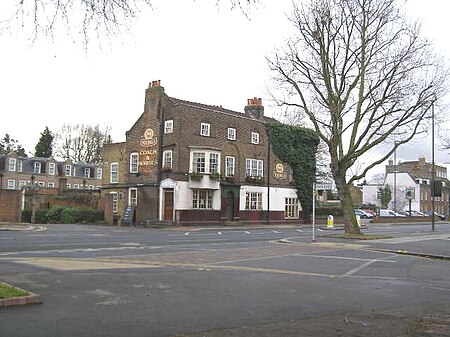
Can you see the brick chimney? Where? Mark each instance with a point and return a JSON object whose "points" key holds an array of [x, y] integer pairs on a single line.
{"points": [[254, 108]]}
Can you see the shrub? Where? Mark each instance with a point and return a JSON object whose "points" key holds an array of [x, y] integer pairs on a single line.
{"points": [[67, 215], [54, 214]]}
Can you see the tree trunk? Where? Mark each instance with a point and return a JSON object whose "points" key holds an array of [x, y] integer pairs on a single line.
{"points": [[348, 208]]}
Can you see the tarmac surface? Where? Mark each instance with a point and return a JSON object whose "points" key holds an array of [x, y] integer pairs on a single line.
{"points": [[216, 282]]}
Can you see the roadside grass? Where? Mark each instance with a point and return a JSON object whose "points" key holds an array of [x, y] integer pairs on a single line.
{"points": [[7, 291], [361, 236]]}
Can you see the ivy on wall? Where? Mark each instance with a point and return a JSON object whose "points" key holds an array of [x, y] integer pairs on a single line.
{"points": [[297, 147]]}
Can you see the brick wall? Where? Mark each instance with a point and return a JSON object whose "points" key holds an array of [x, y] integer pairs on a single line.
{"points": [[10, 206]]}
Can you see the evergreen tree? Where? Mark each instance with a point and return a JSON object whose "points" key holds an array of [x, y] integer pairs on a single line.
{"points": [[44, 147]]}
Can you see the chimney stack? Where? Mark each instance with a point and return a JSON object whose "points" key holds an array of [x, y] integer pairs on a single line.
{"points": [[254, 108]]}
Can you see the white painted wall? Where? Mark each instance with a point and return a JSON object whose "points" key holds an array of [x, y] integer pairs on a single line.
{"points": [[370, 195], [403, 181]]}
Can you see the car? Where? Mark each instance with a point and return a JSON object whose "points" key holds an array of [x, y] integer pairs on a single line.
{"points": [[363, 214], [439, 215], [390, 213], [414, 213]]}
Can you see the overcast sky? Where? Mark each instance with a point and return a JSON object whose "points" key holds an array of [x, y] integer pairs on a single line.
{"points": [[199, 52]]}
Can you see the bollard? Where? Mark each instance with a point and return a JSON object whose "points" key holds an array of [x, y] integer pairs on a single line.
{"points": [[330, 221]]}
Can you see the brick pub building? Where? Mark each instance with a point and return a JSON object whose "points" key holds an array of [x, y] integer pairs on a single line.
{"points": [[187, 163]]}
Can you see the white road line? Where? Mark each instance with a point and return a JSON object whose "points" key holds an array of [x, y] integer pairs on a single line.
{"points": [[75, 250], [220, 233], [357, 269], [299, 230], [319, 230], [246, 232], [187, 233], [276, 232]]}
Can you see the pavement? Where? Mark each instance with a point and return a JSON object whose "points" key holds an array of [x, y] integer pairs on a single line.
{"points": [[20, 227]]}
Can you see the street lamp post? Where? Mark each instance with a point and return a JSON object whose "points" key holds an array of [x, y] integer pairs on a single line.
{"points": [[432, 168], [33, 201]]}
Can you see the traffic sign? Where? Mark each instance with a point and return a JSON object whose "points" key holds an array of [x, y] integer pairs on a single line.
{"points": [[323, 186]]}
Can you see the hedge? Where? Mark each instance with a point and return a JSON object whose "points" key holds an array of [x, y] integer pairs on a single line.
{"points": [[65, 214]]}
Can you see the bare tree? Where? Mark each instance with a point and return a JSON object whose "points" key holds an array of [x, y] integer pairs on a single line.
{"points": [[81, 143], [101, 17], [365, 80]]}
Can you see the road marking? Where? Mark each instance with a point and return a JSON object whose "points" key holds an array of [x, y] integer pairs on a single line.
{"points": [[407, 239], [277, 232], [187, 233], [247, 232], [220, 233], [357, 269], [299, 230], [319, 230], [77, 250]]}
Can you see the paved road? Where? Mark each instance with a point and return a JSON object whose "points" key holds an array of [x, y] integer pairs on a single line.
{"points": [[103, 281]]}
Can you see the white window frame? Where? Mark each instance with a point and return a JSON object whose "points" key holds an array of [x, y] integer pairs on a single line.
{"points": [[41, 184], [114, 173], [11, 184], [19, 166], [74, 171], [51, 169], [255, 138], [12, 164], [168, 126], [51, 184], [87, 172], [253, 201], [202, 199], [115, 202], [167, 159], [291, 208], [230, 164], [205, 161], [214, 165], [22, 183], [132, 196], [68, 186], [198, 162], [68, 170], [76, 186], [254, 167], [37, 167], [99, 173], [134, 162], [205, 129], [231, 134]]}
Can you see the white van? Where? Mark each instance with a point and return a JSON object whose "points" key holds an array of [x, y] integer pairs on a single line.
{"points": [[390, 213]]}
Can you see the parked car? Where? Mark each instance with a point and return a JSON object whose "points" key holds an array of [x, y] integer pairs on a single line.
{"points": [[363, 214], [415, 213], [390, 213], [438, 215]]}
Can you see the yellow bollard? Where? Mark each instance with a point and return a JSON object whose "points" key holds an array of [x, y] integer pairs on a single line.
{"points": [[330, 222]]}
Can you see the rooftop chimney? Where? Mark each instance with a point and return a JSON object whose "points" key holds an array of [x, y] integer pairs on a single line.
{"points": [[155, 84], [254, 108]]}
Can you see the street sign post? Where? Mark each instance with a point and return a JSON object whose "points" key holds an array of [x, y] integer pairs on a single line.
{"points": [[318, 186]]}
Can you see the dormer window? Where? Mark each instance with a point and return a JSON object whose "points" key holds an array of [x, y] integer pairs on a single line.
{"points": [[68, 171], [37, 167], [12, 164], [51, 169]]}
